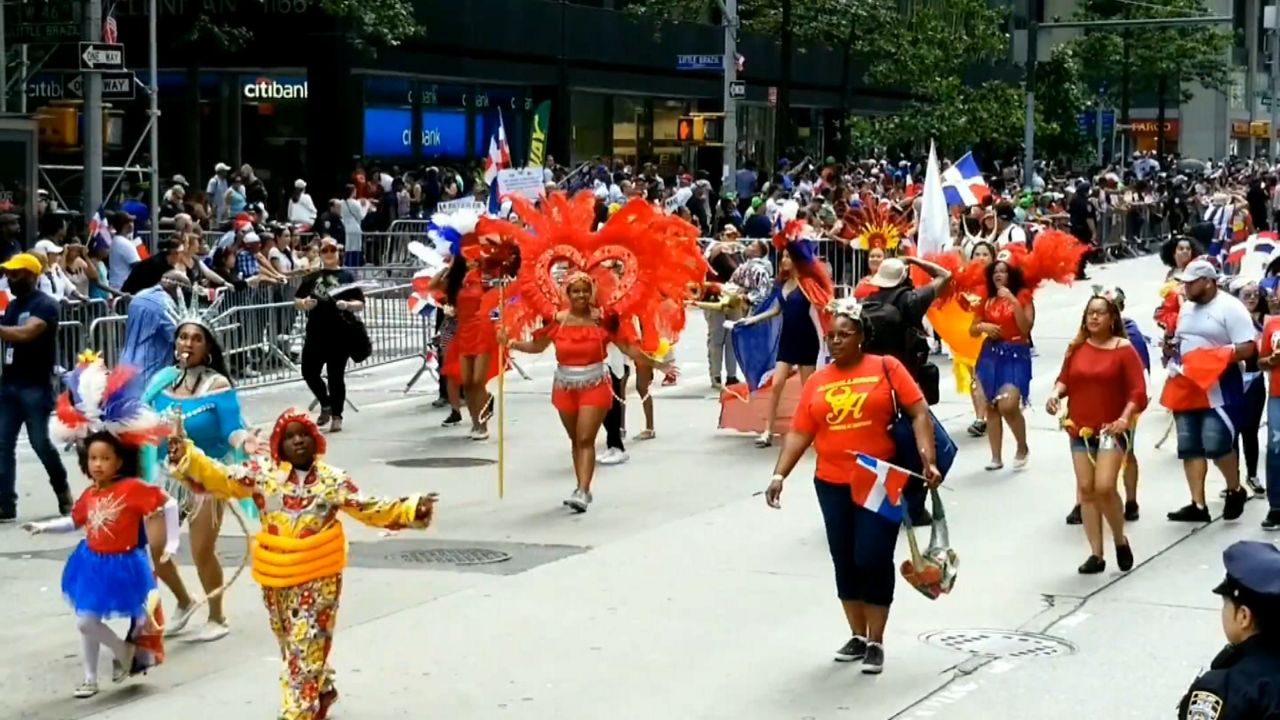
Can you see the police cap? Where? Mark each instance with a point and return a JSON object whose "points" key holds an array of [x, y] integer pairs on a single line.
{"points": [[1253, 572]]}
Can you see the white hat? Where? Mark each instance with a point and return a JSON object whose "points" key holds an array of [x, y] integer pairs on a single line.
{"points": [[221, 167], [48, 247], [891, 273], [300, 184], [180, 180], [1197, 270], [252, 237]]}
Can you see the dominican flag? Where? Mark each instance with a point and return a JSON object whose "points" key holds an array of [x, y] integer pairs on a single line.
{"points": [[99, 231], [1206, 379], [499, 159], [884, 494], [420, 301], [1251, 257], [912, 188], [963, 183]]}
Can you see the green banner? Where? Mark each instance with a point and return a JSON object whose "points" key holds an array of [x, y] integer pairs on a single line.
{"points": [[538, 133]]}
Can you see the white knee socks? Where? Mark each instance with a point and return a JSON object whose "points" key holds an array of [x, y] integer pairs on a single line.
{"points": [[94, 632]]}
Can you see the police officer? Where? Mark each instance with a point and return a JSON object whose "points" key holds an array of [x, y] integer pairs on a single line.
{"points": [[1241, 681]]}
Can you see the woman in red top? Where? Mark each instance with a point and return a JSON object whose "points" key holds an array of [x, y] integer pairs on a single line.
{"points": [[1004, 365], [864, 289], [474, 341], [1103, 380], [581, 392], [845, 410]]}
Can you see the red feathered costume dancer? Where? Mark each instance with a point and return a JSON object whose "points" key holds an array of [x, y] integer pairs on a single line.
{"points": [[580, 290]]}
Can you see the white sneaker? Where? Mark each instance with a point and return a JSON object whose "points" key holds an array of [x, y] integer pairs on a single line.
{"points": [[614, 456], [86, 689], [178, 622], [122, 668], [211, 632], [578, 501]]}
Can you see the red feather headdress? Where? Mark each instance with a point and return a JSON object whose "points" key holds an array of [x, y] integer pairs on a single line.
{"points": [[641, 263], [98, 400]]}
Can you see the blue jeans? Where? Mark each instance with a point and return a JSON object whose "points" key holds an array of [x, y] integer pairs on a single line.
{"points": [[1203, 434], [29, 405], [1273, 453]]}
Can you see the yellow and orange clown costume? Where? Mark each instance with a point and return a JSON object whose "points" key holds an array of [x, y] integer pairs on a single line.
{"points": [[299, 554]]}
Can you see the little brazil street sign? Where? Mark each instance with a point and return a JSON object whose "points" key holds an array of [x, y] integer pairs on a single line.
{"points": [[97, 57], [699, 62]]}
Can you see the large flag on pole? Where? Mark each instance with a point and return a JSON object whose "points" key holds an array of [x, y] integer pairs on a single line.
{"points": [[499, 159], [933, 234]]}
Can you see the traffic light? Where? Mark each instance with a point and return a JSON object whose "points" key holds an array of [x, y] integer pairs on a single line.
{"points": [[685, 129], [706, 128]]}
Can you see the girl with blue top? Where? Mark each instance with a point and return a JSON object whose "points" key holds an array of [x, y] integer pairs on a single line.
{"points": [[197, 386]]}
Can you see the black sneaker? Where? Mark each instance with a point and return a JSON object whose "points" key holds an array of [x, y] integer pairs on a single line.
{"points": [[732, 380], [1073, 517], [855, 649], [324, 417], [1255, 486], [1190, 513], [454, 419], [1233, 506], [977, 428], [1273, 520], [1124, 556], [873, 663], [1092, 566], [1131, 511], [8, 516]]}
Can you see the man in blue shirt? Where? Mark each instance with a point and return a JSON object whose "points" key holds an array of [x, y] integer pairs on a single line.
{"points": [[28, 330], [137, 207], [247, 258], [149, 329], [745, 184]]}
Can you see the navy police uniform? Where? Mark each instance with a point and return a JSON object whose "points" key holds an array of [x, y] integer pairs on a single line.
{"points": [[1243, 681]]}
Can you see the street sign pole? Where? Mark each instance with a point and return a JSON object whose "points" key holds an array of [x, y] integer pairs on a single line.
{"points": [[4, 66], [730, 129], [154, 113], [92, 115], [1101, 161], [1274, 33]]}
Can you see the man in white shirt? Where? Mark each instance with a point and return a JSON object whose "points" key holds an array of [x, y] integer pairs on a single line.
{"points": [[1207, 420], [302, 210], [1008, 231], [124, 253]]}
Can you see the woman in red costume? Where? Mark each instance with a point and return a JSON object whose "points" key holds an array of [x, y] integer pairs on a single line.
{"points": [[581, 290]]}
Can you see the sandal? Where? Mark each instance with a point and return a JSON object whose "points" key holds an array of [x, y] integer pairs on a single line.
{"points": [[993, 466], [764, 440], [647, 434], [1020, 463]]}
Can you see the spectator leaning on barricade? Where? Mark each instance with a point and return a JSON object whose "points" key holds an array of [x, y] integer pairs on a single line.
{"points": [[302, 209], [216, 193], [29, 331], [170, 256], [149, 327]]}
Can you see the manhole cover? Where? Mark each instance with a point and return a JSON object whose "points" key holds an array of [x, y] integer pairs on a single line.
{"points": [[1000, 643], [453, 556], [441, 462]]}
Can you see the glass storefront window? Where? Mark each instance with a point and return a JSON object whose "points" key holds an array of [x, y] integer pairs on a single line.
{"points": [[588, 119], [628, 128]]}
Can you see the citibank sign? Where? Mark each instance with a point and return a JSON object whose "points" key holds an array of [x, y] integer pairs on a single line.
{"points": [[273, 89]]}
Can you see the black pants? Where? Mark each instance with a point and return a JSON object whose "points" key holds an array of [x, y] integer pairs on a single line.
{"points": [[613, 419], [1255, 402], [317, 355]]}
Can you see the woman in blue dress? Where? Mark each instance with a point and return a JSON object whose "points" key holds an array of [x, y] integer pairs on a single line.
{"points": [[197, 386], [798, 343]]}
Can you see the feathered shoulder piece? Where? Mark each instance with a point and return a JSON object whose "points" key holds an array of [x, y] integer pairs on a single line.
{"points": [[641, 264], [874, 224], [99, 400], [1056, 258], [448, 230]]}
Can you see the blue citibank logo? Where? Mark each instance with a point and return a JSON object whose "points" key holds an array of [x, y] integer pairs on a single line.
{"points": [[388, 133]]}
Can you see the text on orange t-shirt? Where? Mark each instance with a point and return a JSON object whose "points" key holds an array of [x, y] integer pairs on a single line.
{"points": [[849, 410]]}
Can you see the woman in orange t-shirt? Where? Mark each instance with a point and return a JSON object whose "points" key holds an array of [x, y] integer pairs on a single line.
{"points": [[846, 409]]}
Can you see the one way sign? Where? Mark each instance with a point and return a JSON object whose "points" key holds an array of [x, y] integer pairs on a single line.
{"points": [[115, 86], [99, 57]]}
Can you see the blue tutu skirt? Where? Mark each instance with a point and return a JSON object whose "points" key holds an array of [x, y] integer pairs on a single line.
{"points": [[1001, 364], [108, 585]]}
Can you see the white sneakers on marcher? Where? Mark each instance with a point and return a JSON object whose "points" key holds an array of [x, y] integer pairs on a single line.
{"points": [[613, 456]]}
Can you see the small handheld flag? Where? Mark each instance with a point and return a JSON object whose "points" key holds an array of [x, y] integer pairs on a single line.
{"points": [[884, 494]]}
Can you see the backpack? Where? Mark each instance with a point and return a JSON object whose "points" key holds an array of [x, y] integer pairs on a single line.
{"points": [[884, 327]]}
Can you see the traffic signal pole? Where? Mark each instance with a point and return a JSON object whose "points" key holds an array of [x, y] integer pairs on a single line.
{"points": [[729, 131], [92, 140]]}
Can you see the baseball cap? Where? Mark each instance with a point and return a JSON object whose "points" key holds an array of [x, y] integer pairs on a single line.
{"points": [[48, 247], [221, 167], [1197, 270], [300, 184], [23, 261], [891, 273], [252, 237], [180, 180]]}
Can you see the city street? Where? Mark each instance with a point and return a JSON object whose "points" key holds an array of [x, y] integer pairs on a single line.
{"points": [[680, 594]]}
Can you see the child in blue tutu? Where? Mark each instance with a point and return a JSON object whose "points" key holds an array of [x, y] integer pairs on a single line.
{"points": [[109, 574]]}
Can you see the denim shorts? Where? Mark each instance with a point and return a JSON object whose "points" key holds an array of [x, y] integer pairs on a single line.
{"points": [[861, 544], [1203, 434], [1095, 444]]}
